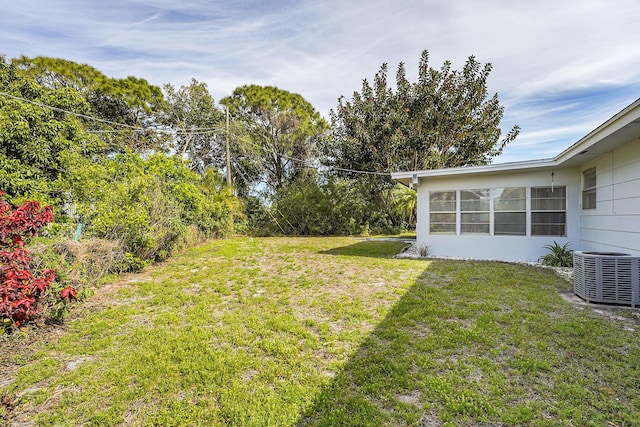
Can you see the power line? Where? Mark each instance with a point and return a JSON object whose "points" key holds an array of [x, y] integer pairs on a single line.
{"points": [[336, 167], [190, 132], [61, 110], [174, 132], [322, 166]]}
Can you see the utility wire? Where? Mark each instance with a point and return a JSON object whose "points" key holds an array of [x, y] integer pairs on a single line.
{"points": [[61, 110], [193, 131], [198, 131], [165, 131], [305, 162]]}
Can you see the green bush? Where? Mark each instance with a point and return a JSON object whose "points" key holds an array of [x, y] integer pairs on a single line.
{"points": [[78, 264], [149, 204], [120, 185], [310, 206]]}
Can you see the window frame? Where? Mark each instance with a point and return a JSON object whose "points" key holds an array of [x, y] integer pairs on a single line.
{"points": [[541, 211], [497, 210], [433, 212], [589, 192], [475, 217]]}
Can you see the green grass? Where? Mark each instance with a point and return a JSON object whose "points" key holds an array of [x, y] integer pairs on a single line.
{"points": [[328, 331]]}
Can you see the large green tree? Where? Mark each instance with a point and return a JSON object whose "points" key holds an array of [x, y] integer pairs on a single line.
{"points": [[134, 104], [279, 134], [150, 203], [34, 138], [198, 124], [445, 119], [127, 108]]}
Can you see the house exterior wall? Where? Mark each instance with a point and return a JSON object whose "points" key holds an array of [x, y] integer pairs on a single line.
{"points": [[614, 225], [509, 248]]}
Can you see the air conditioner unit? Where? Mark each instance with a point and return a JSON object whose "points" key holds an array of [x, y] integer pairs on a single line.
{"points": [[607, 277]]}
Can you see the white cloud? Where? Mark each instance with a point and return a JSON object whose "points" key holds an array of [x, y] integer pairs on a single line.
{"points": [[546, 54]]}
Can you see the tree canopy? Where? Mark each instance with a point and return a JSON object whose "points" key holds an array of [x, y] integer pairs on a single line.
{"points": [[192, 112], [280, 133], [445, 119], [33, 138], [126, 107], [63, 125]]}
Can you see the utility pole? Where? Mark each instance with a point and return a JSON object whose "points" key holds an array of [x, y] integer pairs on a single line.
{"points": [[228, 151]]}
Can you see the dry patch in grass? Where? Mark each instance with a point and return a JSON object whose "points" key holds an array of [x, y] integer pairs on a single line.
{"points": [[326, 331]]}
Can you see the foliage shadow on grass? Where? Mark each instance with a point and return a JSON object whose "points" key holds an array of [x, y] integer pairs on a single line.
{"points": [[369, 249], [359, 394], [442, 357]]}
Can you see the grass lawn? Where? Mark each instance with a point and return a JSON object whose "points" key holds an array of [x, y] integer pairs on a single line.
{"points": [[325, 331]]}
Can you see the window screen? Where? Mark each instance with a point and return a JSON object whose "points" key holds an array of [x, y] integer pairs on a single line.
{"points": [[510, 211], [474, 211], [589, 189], [442, 212], [548, 211]]}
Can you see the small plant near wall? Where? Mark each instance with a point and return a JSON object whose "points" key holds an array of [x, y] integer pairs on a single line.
{"points": [[558, 256], [424, 251]]}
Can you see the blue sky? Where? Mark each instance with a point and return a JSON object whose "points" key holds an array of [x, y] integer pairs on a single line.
{"points": [[560, 67]]}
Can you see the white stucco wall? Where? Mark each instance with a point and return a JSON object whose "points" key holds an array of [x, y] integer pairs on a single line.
{"points": [[508, 248], [614, 226]]}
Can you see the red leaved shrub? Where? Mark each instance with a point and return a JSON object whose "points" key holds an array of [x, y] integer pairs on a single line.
{"points": [[20, 290]]}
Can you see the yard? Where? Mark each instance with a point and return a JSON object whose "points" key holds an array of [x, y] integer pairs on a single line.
{"points": [[326, 331]]}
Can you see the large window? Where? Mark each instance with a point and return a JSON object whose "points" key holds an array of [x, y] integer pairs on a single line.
{"points": [[510, 211], [474, 211], [500, 212], [589, 189], [548, 211], [442, 212]]}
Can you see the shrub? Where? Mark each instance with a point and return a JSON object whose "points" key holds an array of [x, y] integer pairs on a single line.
{"points": [[559, 256], [404, 202], [150, 205], [20, 289], [424, 251], [311, 206], [81, 264]]}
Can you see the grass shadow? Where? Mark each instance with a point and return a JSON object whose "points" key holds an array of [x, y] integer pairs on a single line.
{"points": [[481, 345], [362, 393], [369, 248]]}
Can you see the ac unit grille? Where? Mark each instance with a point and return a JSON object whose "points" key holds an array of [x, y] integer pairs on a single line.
{"points": [[607, 277]]}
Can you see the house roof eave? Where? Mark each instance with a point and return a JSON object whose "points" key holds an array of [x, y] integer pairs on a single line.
{"points": [[618, 130], [521, 166]]}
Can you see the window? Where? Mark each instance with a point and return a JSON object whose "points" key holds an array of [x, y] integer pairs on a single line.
{"points": [[548, 211], [474, 211], [510, 211], [442, 212], [589, 189]]}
